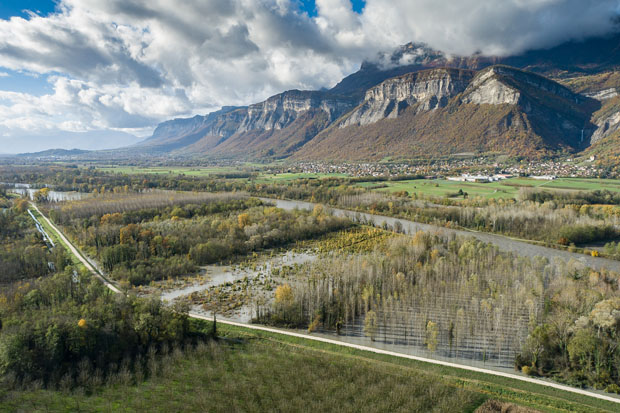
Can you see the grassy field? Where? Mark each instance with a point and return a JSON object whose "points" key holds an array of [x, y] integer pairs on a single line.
{"points": [[283, 177], [208, 171], [164, 170], [508, 188], [260, 371]]}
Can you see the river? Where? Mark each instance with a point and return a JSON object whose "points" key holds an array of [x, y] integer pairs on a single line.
{"points": [[52, 196], [521, 248]]}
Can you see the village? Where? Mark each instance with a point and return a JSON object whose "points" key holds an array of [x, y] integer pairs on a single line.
{"points": [[480, 169]]}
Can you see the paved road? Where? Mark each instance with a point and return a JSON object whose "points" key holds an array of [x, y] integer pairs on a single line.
{"points": [[112, 287], [522, 248]]}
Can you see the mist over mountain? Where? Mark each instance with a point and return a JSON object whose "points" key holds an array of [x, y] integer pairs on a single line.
{"points": [[127, 66], [416, 101]]}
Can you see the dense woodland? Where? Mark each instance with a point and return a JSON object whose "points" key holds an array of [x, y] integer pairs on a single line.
{"points": [[150, 236], [61, 328]]}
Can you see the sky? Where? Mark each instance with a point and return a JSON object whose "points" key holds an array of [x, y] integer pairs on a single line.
{"points": [[73, 70]]}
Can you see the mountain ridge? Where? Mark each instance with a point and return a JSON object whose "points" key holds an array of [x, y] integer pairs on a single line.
{"points": [[292, 122]]}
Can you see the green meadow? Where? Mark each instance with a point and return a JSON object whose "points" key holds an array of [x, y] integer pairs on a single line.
{"points": [[508, 188], [163, 170]]}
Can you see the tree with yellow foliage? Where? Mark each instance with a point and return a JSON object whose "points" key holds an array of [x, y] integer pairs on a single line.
{"points": [[243, 220], [284, 295], [42, 195], [318, 210], [371, 325]]}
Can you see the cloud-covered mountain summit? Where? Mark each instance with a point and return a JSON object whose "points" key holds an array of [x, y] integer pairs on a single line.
{"points": [[129, 65]]}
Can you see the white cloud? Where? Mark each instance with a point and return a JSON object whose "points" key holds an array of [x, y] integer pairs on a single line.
{"points": [[126, 65]]}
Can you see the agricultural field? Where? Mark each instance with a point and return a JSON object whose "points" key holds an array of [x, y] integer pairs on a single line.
{"points": [[289, 177], [257, 175], [246, 370], [508, 188], [165, 170]]}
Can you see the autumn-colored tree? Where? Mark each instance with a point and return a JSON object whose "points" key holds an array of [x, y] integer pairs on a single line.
{"points": [[21, 205], [42, 195], [128, 233], [243, 220], [318, 210], [284, 295], [115, 218]]}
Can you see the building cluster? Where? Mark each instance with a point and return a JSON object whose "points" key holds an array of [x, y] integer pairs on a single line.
{"points": [[479, 178], [481, 169]]}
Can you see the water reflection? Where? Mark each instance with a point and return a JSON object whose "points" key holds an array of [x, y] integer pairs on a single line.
{"points": [[53, 196]]}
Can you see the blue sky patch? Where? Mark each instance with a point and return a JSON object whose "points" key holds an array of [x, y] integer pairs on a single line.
{"points": [[33, 84], [9, 8], [309, 6]]}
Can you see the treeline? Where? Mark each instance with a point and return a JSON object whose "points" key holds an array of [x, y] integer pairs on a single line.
{"points": [[549, 222], [603, 196], [61, 331], [149, 200]]}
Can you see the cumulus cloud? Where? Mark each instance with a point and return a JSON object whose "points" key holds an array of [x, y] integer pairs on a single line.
{"points": [[126, 65], [491, 27]]}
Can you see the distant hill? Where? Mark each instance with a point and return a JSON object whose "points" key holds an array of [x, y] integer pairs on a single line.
{"points": [[417, 101], [90, 140], [54, 153]]}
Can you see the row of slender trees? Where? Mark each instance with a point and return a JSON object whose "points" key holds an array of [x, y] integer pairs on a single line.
{"points": [[462, 298]]}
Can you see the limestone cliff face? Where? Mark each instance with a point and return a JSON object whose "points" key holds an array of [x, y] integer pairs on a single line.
{"points": [[487, 88], [499, 85], [606, 126], [427, 90], [498, 108], [433, 89], [281, 110], [276, 113]]}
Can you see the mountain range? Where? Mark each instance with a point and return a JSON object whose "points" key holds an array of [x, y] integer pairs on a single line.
{"points": [[417, 101]]}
